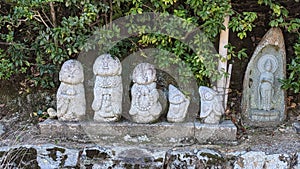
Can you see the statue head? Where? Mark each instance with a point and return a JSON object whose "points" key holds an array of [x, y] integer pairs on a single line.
{"points": [[268, 65], [207, 94], [144, 73], [71, 72], [105, 65]]}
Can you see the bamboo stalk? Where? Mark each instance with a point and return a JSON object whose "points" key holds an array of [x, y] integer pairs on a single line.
{"points": [[222, 66], [227, 85]]}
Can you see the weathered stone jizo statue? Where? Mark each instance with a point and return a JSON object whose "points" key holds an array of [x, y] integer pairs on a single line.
{"points": [[211, 105], [71, 104], [108, 89], [145, 107], [178, 105], [267, 65]]}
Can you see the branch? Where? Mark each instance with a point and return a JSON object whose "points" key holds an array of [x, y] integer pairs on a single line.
{"points": [[47, 17], [6, 43], [52, 11], [40, 18], [110, 14]]}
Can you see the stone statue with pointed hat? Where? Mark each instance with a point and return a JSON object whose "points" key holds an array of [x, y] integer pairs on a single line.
{"points": [[178, 105], [211, 105]]}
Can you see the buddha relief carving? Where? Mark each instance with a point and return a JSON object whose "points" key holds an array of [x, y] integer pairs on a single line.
{"points": [[267, 65]]}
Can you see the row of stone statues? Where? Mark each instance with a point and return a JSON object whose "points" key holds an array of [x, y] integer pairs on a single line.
{"points": [[263, 101], [108, 91]]}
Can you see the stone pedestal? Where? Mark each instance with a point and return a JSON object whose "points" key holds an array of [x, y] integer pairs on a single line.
{"points": [[158, 134]]}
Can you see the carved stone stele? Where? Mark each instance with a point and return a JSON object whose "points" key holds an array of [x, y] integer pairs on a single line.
{"points": [[211, 105], [263, 99], [108, 89], [178, 105], [71, 104], [145, 107]]}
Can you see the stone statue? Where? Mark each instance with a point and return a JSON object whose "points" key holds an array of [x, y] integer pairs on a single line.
{"points": [[108, 89], [211, 105], [263, 102], [267, 65], [178, 105], [71, 104], [145, 107]]}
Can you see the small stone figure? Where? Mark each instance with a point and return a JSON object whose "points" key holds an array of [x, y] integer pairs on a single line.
{"points": [[211, 105], [178, 105], [71, 104], [108, 89], [145, 107], [267, 65]]}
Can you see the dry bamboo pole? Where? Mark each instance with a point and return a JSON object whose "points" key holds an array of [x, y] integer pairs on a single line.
{"points": [[223, 83]]}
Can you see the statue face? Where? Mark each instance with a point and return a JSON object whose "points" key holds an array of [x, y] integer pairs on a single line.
{"points": [[105, 65], [71, 72], [268, 66], [208, 96]]}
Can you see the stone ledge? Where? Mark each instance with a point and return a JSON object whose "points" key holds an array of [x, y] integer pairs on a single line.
{"points": [[55, 156], [158, 134]]}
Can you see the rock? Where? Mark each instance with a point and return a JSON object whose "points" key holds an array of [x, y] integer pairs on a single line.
{"points": [[296, 126], [52, 113], [203, 158], [261, 160], [2, 129], [52, 156]]}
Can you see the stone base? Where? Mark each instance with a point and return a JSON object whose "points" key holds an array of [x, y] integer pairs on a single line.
{"points": [[158, 134], [265, 116]]}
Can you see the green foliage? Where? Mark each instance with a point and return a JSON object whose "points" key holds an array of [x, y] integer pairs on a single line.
{"points": [[38, 36], [37, 40], [242, 23], [279, 12], [293, 80], [280, 18], [241, 54]]}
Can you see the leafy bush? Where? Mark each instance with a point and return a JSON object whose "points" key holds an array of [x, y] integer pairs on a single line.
{"points": [[38, 36]]}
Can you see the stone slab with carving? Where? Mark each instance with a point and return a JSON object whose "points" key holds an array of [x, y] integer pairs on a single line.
{"points": [[178, 105], [71, 104], [263, 99], [108, 89], [211, 105], [145, 107]]}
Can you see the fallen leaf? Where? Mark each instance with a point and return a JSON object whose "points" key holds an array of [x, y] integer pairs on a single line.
{"points": [[293, 105]]}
